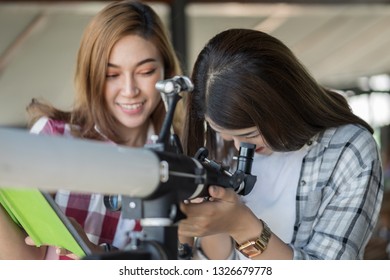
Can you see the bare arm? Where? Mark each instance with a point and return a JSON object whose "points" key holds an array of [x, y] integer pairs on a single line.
{"points": [[12, 241], [215, 247]]}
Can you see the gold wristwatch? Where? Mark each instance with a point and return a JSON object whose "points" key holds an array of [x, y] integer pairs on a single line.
{"points": [[253, 248]]}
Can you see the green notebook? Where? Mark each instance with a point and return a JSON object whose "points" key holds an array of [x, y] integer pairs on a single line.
{"points": [[38, 214]]}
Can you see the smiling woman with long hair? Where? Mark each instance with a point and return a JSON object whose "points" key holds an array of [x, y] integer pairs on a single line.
{"points": [[124, 51]]}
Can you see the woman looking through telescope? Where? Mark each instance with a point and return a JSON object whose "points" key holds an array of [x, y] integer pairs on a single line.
{"points": [[319, 177]]}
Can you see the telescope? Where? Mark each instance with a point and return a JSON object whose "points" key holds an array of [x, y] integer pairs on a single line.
{"points": [[145, 183]]}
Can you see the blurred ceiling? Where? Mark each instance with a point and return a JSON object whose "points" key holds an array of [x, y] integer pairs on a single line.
{"points": [[338, 41]]}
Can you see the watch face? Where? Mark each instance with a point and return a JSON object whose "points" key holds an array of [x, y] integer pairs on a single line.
{"points": [[253, 248], [251, 251]]}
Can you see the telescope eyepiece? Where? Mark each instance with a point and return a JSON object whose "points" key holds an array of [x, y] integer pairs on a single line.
{"points": [[245, 157]]}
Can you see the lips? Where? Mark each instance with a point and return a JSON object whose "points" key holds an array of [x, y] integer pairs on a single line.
{"points": [[258, 150], [130, 107]]}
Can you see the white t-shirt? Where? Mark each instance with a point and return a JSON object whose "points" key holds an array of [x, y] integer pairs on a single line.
{"points": [[273, 196]]}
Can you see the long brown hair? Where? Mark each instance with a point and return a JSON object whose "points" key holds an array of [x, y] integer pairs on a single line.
{"points": [[244, 78], [116, 20]]}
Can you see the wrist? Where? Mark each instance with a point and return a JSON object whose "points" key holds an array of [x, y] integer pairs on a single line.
{"points": [[255, 246], [215, 250], [248, 228]]}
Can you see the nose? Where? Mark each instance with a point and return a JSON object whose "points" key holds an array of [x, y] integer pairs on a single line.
{"points": [[129, 87], [237, 143]]}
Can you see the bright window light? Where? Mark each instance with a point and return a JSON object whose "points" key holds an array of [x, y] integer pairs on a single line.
{"points": [[374, 108]]}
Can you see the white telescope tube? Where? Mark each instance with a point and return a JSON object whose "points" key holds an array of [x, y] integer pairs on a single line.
{"points": [[50, 163]]}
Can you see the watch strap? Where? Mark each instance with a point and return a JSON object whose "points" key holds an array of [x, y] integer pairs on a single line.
{"points": [[253, 248]]}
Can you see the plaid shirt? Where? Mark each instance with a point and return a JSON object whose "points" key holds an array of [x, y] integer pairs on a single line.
{"points": [[339, 195], [100, 225]]}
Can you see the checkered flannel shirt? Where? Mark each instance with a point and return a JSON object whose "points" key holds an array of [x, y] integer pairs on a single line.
{"points": [[339, 195], [100, 225]]}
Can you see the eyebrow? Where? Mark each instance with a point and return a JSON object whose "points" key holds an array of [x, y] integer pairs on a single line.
{"points": [[241, 135], [248, 133], [138, 64]]}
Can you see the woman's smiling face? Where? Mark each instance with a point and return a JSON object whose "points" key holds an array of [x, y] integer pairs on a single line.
{"points": [[134, 67]]}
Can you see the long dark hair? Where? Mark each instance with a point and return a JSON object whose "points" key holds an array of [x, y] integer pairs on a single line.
{"points": [[117, 20], [244, 78]]}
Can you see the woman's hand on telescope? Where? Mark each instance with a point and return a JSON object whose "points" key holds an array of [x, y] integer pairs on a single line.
{"points": [[223, 212]]}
